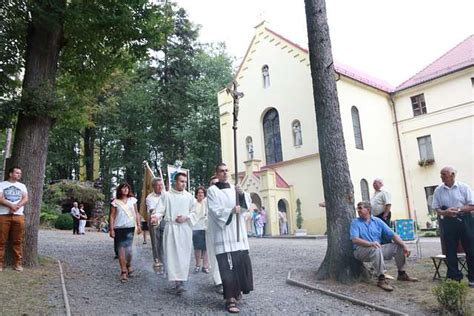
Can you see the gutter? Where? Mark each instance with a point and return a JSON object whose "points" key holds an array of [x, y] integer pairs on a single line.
{"points": [[392, 103]]}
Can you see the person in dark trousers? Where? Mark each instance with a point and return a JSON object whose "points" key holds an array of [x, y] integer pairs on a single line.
{"points": [[453, 202], [76, 216]]}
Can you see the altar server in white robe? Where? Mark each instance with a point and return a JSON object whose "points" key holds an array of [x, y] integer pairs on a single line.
{"points": [[175, 206], [232, 256]]}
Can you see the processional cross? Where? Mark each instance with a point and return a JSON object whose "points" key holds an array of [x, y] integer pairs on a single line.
{"points": [[236, 95]]}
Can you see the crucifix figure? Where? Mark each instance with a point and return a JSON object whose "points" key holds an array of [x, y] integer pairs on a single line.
{"points": [[236, 95]]}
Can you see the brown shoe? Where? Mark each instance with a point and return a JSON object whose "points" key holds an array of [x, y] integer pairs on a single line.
{"points": [[405, 277], [384, 285]]}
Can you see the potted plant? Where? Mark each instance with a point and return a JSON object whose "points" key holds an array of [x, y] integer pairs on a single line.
{"points": [[425, 162], [299, 220]]}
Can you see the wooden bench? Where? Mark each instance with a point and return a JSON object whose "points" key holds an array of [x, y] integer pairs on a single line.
{"points": [[439, 259]]}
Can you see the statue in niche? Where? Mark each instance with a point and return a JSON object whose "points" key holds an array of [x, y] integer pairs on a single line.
{"points": [[297, 133], [266, 76], [249, 145]]}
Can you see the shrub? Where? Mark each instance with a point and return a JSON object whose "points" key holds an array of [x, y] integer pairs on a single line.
{"points": [[65, 192], [49, 214], [451, 296], [299, 217], [64, 222]]}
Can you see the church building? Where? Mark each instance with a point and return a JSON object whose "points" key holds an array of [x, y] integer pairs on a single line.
{"points": [[403, 135]]}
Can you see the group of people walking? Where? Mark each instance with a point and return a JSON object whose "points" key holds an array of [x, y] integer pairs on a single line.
{"points": [[208, 222]]}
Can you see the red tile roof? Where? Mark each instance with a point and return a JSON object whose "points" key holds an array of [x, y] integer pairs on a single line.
{"points": [[280, 182], [461, 56], [347, 70]]}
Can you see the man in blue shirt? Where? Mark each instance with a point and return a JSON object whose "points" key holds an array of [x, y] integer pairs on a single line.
{"points": [[454, 203], [366, 235]]}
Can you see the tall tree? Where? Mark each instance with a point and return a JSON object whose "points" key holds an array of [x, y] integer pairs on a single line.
{"points": [[339, 262], [85, 39]]}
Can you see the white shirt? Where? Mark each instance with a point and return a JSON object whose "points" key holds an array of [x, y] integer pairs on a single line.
{"points": [[122, 220], [12, 192], [458, 195], [379, 200], [151, 201], [75, 212], [200, 209]]}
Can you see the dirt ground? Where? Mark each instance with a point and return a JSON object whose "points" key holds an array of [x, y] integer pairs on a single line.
{"points": [[35, 291], [413, 298]]}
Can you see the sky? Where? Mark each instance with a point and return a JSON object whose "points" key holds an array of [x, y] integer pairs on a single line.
{"points": [[389, 39]]}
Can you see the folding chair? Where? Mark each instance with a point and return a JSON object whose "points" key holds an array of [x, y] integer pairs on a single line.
{"points": [[406, 229]]}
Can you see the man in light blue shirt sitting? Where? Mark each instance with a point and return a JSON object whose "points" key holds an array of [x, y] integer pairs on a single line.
{"points": [[366, 235]]}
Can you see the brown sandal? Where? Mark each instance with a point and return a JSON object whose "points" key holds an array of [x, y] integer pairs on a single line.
{"points": [[232, 307], [130, 270], [124, 276]]}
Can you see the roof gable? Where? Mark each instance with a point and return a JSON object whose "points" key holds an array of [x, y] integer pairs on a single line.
{"points": [[459, 57], [340, 68]]}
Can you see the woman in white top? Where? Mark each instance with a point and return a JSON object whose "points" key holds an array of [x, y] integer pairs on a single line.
{"points": [[199, 231], [82, 220], [124, 219]]}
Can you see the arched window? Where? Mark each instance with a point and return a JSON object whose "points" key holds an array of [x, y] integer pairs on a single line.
{"points": [[272, 137], [297, 135], [356, 125], [266, 76], [364, 189]]}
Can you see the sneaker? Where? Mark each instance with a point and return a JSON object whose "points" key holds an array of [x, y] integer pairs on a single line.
{"points": [[18, 268], [405, 277], [383, 284]]}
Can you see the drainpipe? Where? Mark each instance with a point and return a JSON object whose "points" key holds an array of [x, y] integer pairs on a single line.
{"points": [[392, 103]]}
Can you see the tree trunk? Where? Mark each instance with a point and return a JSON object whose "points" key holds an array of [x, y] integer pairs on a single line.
{"points": [[7, 152], [339, 262], [30, 147], [89, 145]]}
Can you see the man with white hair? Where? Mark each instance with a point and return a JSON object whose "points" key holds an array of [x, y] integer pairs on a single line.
{"points": [[381, 202], [453, 202]]}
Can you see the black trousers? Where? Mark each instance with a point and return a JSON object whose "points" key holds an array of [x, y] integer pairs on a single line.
{"points": [[455, 230], [388, 222], [75, 226], [238, 277]]}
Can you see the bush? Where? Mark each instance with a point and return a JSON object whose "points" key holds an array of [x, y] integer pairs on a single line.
{"points": [[299, 217], [66, 191], [64, 222], [49, 214], [451, 296]]}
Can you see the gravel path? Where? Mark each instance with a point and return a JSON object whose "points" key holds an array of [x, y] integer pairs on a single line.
{"points": [[92, 279]]}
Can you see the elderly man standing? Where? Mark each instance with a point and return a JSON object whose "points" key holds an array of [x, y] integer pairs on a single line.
{"points": [[381, 202], [366, 235], [453, 202], [156, 232]]}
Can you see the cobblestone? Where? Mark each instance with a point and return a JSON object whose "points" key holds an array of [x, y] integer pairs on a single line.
{"points": [[92, 279]]}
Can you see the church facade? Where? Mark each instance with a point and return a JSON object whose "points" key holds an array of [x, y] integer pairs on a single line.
{"points": [[385, 138]]}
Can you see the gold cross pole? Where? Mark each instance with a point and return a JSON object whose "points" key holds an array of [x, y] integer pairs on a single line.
{"points": [[236, 95]]}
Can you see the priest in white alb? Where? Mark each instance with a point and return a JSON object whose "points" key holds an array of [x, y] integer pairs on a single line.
{"points": [[175, 207], [232, 255]]}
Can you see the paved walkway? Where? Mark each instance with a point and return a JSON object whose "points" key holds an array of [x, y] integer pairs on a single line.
{"points": [[92, 279]]}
